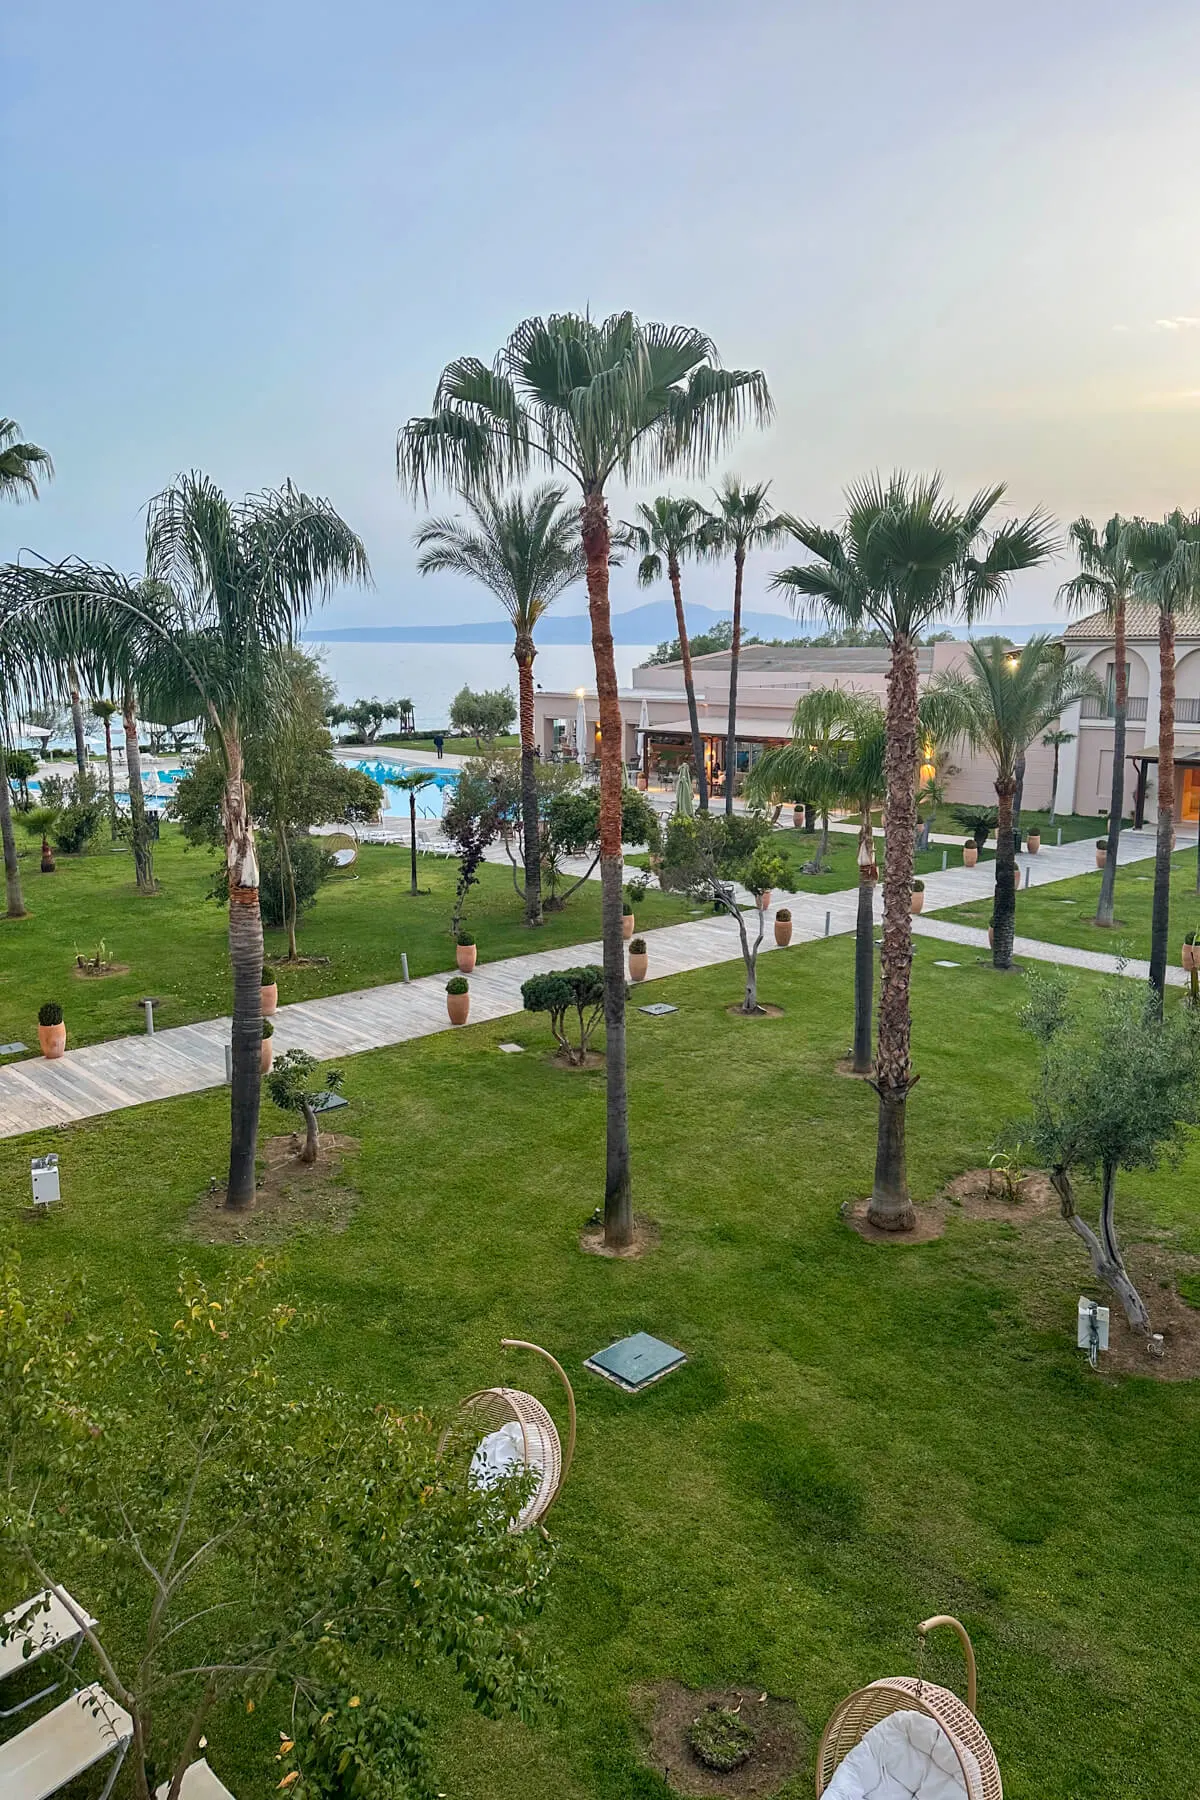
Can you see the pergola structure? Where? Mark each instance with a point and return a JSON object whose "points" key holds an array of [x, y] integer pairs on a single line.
{"points": [[1187, 799]]}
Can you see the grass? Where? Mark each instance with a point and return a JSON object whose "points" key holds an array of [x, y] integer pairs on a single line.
{"points": [[842, 872], [861, 1435], [175, 942], [1072, 825], [457, 746], [1064, 912]]}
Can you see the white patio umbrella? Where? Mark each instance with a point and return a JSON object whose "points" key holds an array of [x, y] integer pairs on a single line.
{"points": [[684, 803], [581, 727], [643, 728]]}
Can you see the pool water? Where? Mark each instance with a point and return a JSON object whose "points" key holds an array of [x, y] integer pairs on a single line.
{"points": [[431, 797]]}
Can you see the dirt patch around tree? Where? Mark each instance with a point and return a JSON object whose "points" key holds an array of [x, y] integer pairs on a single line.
{"points": [[291, 1196], [667, 1712], [1156, 1272], [647, 1236], [983, 1194], [593, 1059], [931, 1222], [845, 1066], [89, 971], [765, 1011]]}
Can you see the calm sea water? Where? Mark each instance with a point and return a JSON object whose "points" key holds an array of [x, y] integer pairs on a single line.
{"points": [[431, 674]]}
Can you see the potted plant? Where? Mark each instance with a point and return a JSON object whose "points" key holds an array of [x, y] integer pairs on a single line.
{"points": [[763, 899], [1033, 841], [268, 1048], [639, 959], [270, 992], [465, 951], [1101, 851], [783, 927], [918, 894], [458, 999], [52, 1033], [626, 919], [970, 853], [1191, 950]]}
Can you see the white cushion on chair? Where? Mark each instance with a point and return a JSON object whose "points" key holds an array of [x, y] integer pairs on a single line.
{"points": [[199, 1783], [907, 1756]]}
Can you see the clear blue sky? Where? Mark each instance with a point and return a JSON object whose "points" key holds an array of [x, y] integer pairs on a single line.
{"points": [[245, 238]]}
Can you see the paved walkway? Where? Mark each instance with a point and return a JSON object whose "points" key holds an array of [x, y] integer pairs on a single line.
{"points": [[129, 1071]]}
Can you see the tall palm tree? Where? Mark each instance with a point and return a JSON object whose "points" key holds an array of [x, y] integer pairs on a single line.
{"points": [[1007, 697], [526, 551], [664, 532], [1104, 584], [593, 400], [905, 555], [104, 710], [1056, 741], [743, 520], [21, 465], [1166, 566]]}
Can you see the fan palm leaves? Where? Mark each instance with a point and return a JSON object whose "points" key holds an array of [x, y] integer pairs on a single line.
{"points": [[22, 465], [905, 554], [1105, 584], [525, 550], [742, 520], [589, 399], [663, 533]]}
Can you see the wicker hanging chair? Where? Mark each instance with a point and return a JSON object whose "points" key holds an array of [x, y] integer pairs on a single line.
{"points": [[521, 1418], [856, 1716]]}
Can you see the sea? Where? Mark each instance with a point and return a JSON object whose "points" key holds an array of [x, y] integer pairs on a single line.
{"points": [[431, 674]]}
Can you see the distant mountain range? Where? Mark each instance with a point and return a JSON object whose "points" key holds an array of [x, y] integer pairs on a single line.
{"points": [[651, 623]]}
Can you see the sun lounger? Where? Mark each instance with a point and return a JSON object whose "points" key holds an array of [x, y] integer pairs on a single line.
{"points": [[199, 1783], [63, 1744], [51, 1627]]}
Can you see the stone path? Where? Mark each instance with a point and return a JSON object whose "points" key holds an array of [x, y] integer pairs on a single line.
{"points": [[129, 1071]]}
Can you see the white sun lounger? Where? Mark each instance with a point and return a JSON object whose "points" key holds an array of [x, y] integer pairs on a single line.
{"points": [[199, 1783], [51, 1627], [62, 1744]]}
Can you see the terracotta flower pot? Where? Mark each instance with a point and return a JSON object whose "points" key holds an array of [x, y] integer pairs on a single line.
{"points": [[52, 1040], [47, 859], [797, 818], [627, 924], [764, 899], [1033, 842], [270, 998], [918, 900], [639, 962], [1191, 959], [268, 1055], [458, 1006], [643, 783], [783, 932], [1101, 856], [991, 938], [970, 855], [464, 956]]}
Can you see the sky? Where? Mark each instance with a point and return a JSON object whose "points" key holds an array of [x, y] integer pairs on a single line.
{"points": [[247, 237]]}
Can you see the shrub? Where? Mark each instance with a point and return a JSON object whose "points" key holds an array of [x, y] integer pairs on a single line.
{"points": [[1102, 843], [464, 938], [458, 984], [268, 1028], [637, 947], [784, 915], [557, 993], [268, 976], [721, 1738], [50, 1014], [637, 888], [311, 863], [978, 820], [1192, 937], [918, 886], [626, 910], [79, 811]]}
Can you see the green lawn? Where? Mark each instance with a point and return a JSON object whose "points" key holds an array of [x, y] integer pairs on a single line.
{"points": [[800, 847], [175, 942], [1063, 912], [862, 1435], [456, 746], [1072, 825]]}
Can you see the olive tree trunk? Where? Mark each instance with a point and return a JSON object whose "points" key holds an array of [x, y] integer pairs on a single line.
{"points": [[14, 898], [890, 1207], [735, 651], [618, 1185], [312, 1134], [1004, 905], [1160, 916], [1108, 881], [749, 950], [143, 850], [689, 685], [864, 968], [530, 823], [246, 956], [1103, 1248]]}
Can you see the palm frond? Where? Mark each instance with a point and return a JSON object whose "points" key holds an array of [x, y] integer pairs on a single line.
{"points": [[21, 464]]}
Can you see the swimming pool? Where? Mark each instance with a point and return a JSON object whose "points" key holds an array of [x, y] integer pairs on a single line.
{"points": [[431, 796]]}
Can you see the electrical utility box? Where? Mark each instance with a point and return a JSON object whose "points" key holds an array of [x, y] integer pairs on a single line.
{"points": [[1091, 1331], [44, 1170]]}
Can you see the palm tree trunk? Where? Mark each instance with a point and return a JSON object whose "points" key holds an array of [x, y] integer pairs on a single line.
{"points": [[112, 785], [890, 1206], [1160, 917], [81, 756], [1054, 786], [15, 900], [618, 1188], [1018, 791], [735, 651], [412, 839], [689, 685], [864, 967], [143, 852], [246, 956], [1108, 881], [1004, 905], [530, 825]]}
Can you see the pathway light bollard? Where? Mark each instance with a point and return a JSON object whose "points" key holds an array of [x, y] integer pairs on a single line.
{"points": [[1028, 867], [149, 1006], [1058, 839], [826, 924], [229, 1065], [945, 858], [404, 964]]}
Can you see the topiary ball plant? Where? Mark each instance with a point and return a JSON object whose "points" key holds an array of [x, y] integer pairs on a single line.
{"points": [[1102, 843], [465, 937], [784, 916], [268, 1028], [458, 984], [918, 886], [268, 976], [637, 947], [626, 910], [50, 1014], [721, 1738]]}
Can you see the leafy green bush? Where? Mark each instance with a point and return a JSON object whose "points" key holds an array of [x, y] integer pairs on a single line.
{"points": [[721, 1738], [626, 909], [50, 1014], [637, 947], [784, 916], [268, 1028], [458, 984], [918, 886], [978, 820], [311, 863], [268, 975], [465, 938], [560, 991]]}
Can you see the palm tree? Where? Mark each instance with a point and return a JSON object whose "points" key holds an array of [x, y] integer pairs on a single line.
{"points": [[21, 465], [743, 521], [905, 555], [526, 551], [410, 782], [1104, 584], [593, 400], [1166, 565], [664, 532], [1056, 741], [1007, 697], [104, 710]]}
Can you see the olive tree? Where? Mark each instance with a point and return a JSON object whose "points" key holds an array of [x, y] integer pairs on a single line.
{"points": [[708, 855], [1115, 1090], [561, 992], [293, 1086]]}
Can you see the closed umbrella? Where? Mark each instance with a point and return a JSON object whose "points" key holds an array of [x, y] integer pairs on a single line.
{"points": [[643, 728], [684, 805], [582, 748]]}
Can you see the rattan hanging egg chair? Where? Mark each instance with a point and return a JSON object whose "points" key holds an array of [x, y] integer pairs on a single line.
{"points": [[511, 1430], [905, 1719]]}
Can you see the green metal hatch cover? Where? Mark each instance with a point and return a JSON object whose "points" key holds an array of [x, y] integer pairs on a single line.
{"points": [[633, 1363]]}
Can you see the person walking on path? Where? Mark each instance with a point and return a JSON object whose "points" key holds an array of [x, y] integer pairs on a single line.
{"points": [[439, 743]]}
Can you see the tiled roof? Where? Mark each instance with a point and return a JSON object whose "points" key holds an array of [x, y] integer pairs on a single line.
{"points": [[1141, 621]]}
